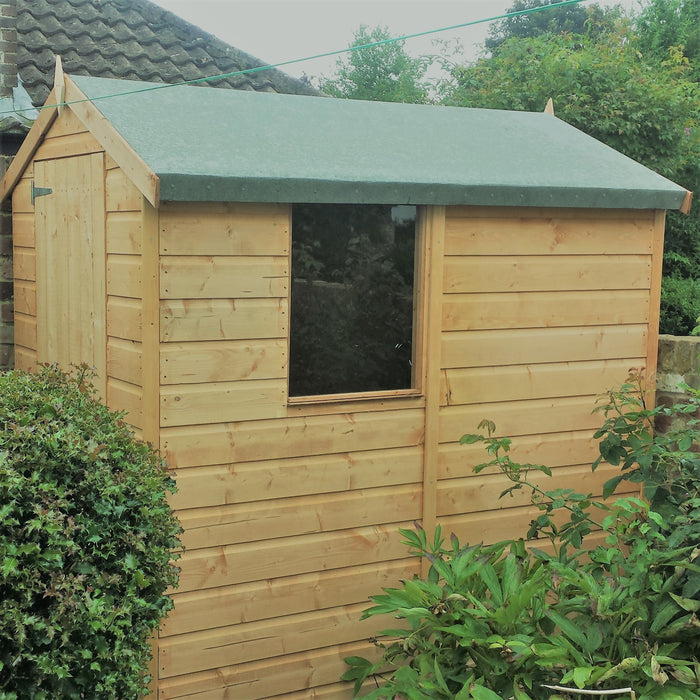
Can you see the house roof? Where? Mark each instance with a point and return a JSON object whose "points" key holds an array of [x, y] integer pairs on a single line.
{"points": [[221, 145], [129, 39]]}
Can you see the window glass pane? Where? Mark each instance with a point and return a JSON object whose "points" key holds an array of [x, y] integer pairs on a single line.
{"points": [[351, 298]]}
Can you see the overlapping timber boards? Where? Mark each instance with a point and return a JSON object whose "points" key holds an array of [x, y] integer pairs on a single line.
{"points": [[291, 514], [542, 311]]}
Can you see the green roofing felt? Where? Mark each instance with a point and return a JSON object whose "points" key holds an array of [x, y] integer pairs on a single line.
{"points": [[230, 145]]}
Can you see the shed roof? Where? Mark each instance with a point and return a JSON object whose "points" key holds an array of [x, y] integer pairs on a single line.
{"points": [[225, 145]]}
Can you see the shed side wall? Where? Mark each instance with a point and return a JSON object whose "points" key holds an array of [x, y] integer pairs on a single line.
{"points": [[542, 311], [291, 513], [124, 249], [121, 211]]}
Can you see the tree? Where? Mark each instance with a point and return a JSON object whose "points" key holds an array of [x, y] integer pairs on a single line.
{"points": [[663, 24], [384, 73], [572, 19]]}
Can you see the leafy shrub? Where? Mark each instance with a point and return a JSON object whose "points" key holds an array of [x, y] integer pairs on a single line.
{"points": [[85, 543], [506, 620], [680, 305]]}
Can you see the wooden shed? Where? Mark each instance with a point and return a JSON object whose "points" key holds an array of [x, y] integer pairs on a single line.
{"points": [[163, 235]]}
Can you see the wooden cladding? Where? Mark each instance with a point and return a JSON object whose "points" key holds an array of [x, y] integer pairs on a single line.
{"points": [[283, 505], [291, 437], [535, 273], [541, 311], [219, 229], [518, 382], [210, 277], [222, 319], [223, 360], [544, 309], [481, 231], [502, 347], [280, 596]]}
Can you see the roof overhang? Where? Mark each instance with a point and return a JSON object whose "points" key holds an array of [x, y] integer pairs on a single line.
{"points": [[67, 95]]}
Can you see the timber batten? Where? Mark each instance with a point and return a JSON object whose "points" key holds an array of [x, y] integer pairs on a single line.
{"points": [[291, 508]]}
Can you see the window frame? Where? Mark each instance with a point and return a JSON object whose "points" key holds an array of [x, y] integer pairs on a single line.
{"points": [[418, 364]]}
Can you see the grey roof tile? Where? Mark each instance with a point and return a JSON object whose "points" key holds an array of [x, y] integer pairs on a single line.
{"points": [[130, 39]]}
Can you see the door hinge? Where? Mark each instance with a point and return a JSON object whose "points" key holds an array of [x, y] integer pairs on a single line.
{"points": [[39, 191]]}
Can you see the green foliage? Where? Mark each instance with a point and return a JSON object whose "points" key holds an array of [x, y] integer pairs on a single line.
{"points": [[680, 305], [663, 24], [85, 543], [573, 19], [503, 620], [384, 73]]}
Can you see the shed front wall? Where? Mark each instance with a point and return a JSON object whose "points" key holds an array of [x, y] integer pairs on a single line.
{"points": [[291, 512]]}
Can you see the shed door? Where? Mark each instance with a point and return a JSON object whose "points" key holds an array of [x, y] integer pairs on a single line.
{"points": [[70, 248]]}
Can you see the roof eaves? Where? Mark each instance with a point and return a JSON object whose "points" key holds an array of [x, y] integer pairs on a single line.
{"points": [[203, 188], [29, 147]]}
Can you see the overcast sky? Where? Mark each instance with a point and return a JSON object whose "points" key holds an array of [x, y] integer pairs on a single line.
{"points": [[282, 30]]}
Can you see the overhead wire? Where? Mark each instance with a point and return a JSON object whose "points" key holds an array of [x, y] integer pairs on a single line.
{"points": [[282, 64]]}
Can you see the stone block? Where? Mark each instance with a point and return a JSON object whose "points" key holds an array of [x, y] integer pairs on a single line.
{"points": [[7, 357], [678, 362], [7, 314], [6, 290], [5, 268], [7, 334]]}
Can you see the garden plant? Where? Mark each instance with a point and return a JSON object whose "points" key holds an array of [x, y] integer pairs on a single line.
{"points": [[504, 620], [86, 537]]}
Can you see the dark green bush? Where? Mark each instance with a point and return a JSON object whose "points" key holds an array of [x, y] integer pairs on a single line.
{"points": [[86, 536], [680, 305]]}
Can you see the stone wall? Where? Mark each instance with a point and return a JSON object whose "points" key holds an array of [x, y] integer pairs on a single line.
{"points": [[679, 361], [8, 47], [6, 289], [8, 80]]}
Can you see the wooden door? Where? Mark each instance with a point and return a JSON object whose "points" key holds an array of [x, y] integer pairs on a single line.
{"points": [[70, 247]]}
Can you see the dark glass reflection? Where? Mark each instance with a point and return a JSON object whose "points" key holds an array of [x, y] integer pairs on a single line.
{"points": [[351, 298]]}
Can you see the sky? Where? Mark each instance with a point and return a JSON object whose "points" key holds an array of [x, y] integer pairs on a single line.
{"points": [[283, 30]]}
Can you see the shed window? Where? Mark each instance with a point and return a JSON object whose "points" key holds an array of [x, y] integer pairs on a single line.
{"points": [[352, 299]]}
